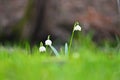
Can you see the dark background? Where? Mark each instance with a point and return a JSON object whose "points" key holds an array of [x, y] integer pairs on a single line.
{"points": [[34, 20]]}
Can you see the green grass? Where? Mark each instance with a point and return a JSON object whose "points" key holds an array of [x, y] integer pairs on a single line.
{"points": [[93, 63]]}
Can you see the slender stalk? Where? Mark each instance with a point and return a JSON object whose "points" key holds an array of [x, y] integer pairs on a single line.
{"points": [[71, 39]]}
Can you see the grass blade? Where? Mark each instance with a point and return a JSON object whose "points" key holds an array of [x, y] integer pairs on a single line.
{"points": [[54, 50], [66, 49]]}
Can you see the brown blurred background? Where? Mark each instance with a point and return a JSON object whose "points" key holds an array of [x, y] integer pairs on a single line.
{"points": [[33, 20]]}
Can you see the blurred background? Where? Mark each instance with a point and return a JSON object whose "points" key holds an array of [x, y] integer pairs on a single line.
{"points": [[34, 20]]}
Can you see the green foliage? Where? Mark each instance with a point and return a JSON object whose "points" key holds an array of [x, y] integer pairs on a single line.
{"points": [[93, 63], [81, 61]]}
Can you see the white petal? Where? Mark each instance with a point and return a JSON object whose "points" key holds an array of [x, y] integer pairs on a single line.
{"points": [[77, 28], [48, 42], [42, 49]]}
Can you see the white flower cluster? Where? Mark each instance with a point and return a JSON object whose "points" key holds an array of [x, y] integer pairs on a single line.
{"points": [[48, 42]]}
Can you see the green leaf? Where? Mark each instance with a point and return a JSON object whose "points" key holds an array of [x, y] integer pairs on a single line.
{"points": [[54, 50], [66, 49]]}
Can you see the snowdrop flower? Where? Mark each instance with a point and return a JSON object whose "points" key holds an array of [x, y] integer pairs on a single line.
{"points": [[42, 48], [48, 41], [77, 28]]}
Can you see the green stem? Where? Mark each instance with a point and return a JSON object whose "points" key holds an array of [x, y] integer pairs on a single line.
{"points": [[71, 39], [70, 43]]}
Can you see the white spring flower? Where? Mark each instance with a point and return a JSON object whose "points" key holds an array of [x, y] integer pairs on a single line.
{"points": [[77, 28], [48, 42], [42, 49]]}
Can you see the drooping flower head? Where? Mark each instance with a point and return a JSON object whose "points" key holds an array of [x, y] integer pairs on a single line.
{"points": [[42, 48], [77, 27], [48, 41]]}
